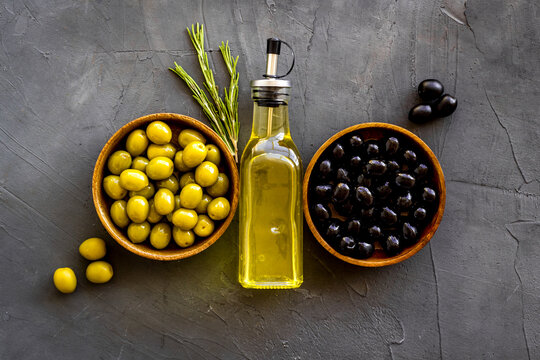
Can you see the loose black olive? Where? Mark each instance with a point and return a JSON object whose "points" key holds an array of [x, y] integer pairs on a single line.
{"points": [[334, 230], [363, 180], [364, 196], [374, 232], [347, 245], [405, 181], [355, 142], [421, 171], [420, 214], [341, 192], [409, 156], [384, 190], [375, 167], [323, 192], [421, 113], [445, 106], [404, 201], [321, 212], [353, 227], [364, 250], [429, 194], [372, 150], [430, 89], [388, 216], [343, 175], [338, 152], [325, 169], [391, 245], [392, 166], [392, 146], [345, 208], [355, 162], [409, 232]]}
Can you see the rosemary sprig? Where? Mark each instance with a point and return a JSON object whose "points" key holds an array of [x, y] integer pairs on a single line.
{"points": [[223, 115]]}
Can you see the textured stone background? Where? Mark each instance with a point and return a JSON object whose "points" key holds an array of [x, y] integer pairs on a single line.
{"points": [[72, 72]]}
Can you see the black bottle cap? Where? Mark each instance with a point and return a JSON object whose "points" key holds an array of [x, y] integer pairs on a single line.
{"points": [[273, 46]]}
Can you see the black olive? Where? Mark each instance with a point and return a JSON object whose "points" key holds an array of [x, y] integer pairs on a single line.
{"points": [[388, 216], [367, 214], [341, 192], [343, 175], [355, 142], [421, 171], [392, 146], [338, 152], [421, 113], [375, 167], [372, 150], [391, 245], [345, 208], [409, 232], [334, 230], [363, 180], [321, 212], [445, 106], [409, 156], [364, 196], [364, 250], [429, 194], [355, 162], [405, 181], [325, 169], [420, 214], [323, 192], [392, 166], [384, 190], [347, 245], [404, 201], [374, 232], [354, 226], [430, 89]]}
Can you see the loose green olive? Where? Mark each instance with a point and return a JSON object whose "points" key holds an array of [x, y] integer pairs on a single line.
{"points": [[166, 150], [153, 216], [179, 162], [118, 213], [185, 219], [159, 168], [219, 208], [220, 187], [136, 142], [160, 236], [187, 178], [93, 248], [111, 185], [203, 204], [99, 272], [119, 161], [164, 201], [190, 196], [148, 191], [183, 238], [170, 183], [204, 227], [176, 207], [187, 136], [213, 154], [138, 209], [65, 280], [133, 180], [194, 153], [206, 174], [159, 133], [137, 233], [139, 163]]}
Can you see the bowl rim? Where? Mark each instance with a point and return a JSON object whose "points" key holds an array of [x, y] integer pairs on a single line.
{"points": [[98, 193], [435, 222]]}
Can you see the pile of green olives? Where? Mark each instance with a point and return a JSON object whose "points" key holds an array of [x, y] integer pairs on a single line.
{"points": [[165, 190]]}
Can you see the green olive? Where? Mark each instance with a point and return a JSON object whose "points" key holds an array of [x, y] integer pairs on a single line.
{"points": [[204, 227], [187, 136], [206, 174], [137, 233], [65, 280], [166, 150], [187, 178], [159, 168], [133, 180], [111, 185], [159, 133], [179, 162], [137, 209], [220, 187], [148, 191], [185, 219], [118, 213], [176, 207], [183, 238], [153, 216], [190, 196], [93, 248], [136, 142], [164, 201], [213, 154], [203, 204], [99, 272], [194, 153], [219, 208], [119, 161], [139, 163], [170, 183], [160, 236]]}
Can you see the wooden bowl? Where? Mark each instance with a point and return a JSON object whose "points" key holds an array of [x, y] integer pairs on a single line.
{"points": [[376, 131], [102, 202]]}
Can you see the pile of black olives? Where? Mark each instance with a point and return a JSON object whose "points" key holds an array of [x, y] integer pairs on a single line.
{"points": [[364, 192], [435, 104]]}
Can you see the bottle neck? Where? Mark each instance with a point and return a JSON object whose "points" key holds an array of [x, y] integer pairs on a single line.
{"points": [[270, 121]]}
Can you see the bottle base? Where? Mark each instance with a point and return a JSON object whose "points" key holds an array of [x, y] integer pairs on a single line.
{"points": [[271, 284]]}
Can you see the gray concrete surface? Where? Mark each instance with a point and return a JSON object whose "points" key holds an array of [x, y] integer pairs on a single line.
{"points": [[72, 72]]}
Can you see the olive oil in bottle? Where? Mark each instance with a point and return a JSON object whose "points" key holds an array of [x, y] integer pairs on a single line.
{"points": [[271, 218]]}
